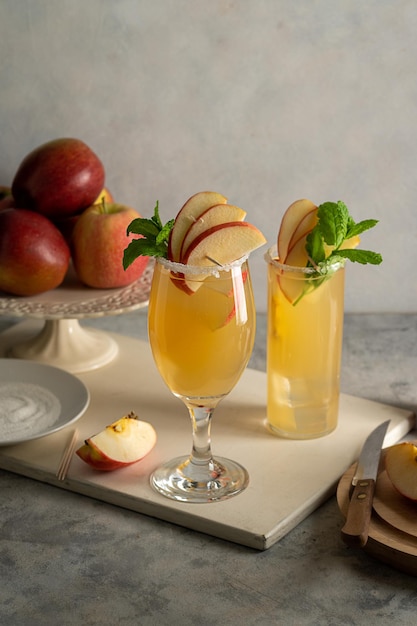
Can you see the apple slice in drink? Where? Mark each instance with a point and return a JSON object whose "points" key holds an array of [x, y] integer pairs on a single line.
{"points": [[401, 467], [221, 245], [122, 443], [292, 218], [190, 212], [292, 286], [217, 214]]}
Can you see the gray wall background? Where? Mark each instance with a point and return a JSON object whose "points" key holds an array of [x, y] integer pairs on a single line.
{"points": [[265, 101]]}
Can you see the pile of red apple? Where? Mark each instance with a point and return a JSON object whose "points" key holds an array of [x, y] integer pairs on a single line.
{"points": [[58, 210]]}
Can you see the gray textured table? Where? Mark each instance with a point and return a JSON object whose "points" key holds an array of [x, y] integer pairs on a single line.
{"points": [[67, 559]]}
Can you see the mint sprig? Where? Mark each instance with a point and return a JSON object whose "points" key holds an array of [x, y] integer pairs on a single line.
{"points": [[335, 225], [153, 240], [324, 244]]}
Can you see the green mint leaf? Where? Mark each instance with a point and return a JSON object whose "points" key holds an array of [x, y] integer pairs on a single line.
{"points": [[357, 255], [153, 238], [315, 246], [163, 234], [323, 244], [333, 222], [360, 227], [155, 218], [140, 247], [143, 226]]}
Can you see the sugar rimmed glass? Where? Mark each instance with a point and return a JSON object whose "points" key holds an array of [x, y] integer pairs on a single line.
{"points": [[201, 324], [304, 348]]}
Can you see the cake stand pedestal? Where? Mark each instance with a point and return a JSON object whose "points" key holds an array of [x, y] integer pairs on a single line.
{"points": [[62, 341]]}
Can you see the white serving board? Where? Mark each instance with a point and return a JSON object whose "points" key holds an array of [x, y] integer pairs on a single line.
{"points": [[288, 479]]}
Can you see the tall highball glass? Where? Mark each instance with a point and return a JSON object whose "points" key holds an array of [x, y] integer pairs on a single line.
{"points": [[304, 348]]}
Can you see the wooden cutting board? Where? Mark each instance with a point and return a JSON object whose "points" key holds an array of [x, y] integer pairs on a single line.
{"points": [[393, 528], [288, 479]]}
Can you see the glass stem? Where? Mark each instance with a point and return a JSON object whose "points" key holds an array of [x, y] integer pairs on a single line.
{"points": [[201, 422]]}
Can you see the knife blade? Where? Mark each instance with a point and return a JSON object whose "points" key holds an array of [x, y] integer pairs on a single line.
{"points": [[356, 529]]}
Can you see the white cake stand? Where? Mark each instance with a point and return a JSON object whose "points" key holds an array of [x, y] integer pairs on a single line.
{"points": [[62, 341]]}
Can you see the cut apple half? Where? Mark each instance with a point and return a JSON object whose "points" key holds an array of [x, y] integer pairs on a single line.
{"points": [[290, 222], [401, 467], [214, 215], [190, 212], [221, 245], [122, 443]]}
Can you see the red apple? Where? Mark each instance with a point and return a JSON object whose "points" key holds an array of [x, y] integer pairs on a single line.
{"points": [[122, 443], [59, 178], [67, 224], [98, 243], [401, 467], [34, 256], [190, 212]]}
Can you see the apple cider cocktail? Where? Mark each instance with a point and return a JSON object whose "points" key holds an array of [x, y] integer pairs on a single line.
{"points": [[304, 352], [201, 323], [305, 315], [201, 342]]}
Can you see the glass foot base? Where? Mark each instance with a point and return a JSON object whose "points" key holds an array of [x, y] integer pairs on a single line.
{"points": [[182, 480], [299, 434]]}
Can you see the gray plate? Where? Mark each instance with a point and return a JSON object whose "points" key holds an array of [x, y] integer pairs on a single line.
{"points": [[37, 399]]}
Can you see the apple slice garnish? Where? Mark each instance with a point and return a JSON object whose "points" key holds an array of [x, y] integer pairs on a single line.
{"points": [[293, 284], [190, 212], [401, 467], [217, 214], [304, 227], [290, 222], [221, 245], [122, 443]]}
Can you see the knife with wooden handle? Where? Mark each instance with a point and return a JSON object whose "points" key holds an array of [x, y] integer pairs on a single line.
{"points": [[356, 529]]}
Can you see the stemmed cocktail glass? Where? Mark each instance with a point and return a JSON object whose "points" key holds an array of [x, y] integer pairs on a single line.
{"points": [[201, 331]]}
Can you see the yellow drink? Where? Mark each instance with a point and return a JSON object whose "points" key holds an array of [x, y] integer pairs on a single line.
{"points": [[303, 351], [201, 349]]}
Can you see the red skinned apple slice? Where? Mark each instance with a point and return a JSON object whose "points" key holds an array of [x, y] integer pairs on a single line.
{"points": [[292, 287], [401, 467], [120, 444], [190, 212], [291, 220], [221, 245], [304, 228], [217, 214]]}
